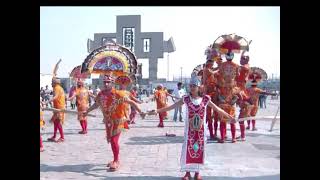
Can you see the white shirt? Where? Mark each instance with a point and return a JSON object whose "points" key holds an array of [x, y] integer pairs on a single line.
{"points": [[179, 93]]}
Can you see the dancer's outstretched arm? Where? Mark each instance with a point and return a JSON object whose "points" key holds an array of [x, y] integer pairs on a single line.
{"points": [[173, 106], [219, 110]]}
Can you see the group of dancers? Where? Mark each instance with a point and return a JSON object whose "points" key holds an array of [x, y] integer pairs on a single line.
{"points": [[214, 91]]}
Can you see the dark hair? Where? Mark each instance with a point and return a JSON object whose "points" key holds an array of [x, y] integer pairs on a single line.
{"points": [[199, 92], [210, 61], [179, 84]]}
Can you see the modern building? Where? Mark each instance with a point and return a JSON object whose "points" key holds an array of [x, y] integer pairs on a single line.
{"points": [[146, 45]]}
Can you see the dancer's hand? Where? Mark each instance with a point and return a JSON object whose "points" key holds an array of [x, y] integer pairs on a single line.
{"points": [[152, 112], [85, 113], [233, 120], [143, 115]]}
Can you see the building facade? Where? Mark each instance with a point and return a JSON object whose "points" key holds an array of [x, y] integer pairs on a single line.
{"points": [[146, 45]]}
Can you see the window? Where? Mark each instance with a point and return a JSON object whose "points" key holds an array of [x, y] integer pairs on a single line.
{"points": [[146, 45], [128, 38], [106, 40]]}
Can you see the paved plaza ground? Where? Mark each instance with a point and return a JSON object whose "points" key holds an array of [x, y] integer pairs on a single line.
{"points": [[146, 153]]}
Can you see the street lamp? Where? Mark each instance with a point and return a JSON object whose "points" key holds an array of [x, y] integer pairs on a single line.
{"points": [[181, 75]]}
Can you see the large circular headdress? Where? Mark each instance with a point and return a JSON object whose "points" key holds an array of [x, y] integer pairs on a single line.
{"points": [[257, 74], [198, 70], [231, 43], [110, 59], [76, 73]]}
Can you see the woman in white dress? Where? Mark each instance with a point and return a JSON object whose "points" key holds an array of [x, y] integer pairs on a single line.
{"points": [[193, 148]]}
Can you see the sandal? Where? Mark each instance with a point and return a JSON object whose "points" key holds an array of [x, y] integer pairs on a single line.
{"points": [[109, 163], [197, 176], [187, 176], [114, 166], [60, 140], [52, 139]]}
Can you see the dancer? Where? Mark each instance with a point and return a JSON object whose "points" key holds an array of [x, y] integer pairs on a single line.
{"points": [[133, 111], [194, 146], [227, 93], [82, 96], [58, 103], [209, 82], [112, 104], [244, 100], [124, 81], [255, 76], [161, 98]]}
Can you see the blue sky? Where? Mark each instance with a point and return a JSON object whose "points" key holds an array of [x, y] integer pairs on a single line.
{"points": [[64, 32]]}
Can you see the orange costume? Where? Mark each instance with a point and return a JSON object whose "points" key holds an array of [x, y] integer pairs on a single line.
{"points": [[58, 117], [161, 99], [123, 81], [126, 107], [59, 103], [42, 122], [113, 107], [253, 93], [82, 100], [112, 60], [256, 75], [243, 102]]}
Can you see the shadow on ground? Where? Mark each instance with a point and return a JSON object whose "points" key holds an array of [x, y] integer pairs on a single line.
{"points": [[152, 140], [260, 134], [153, 126], [91, 170], [270, 177]]}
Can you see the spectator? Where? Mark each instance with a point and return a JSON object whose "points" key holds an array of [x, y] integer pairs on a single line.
{"points": [[178, 92], [42, 93]]}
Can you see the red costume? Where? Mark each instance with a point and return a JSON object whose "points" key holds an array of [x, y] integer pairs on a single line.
{"points": [[227, 95], [229, 74]]}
